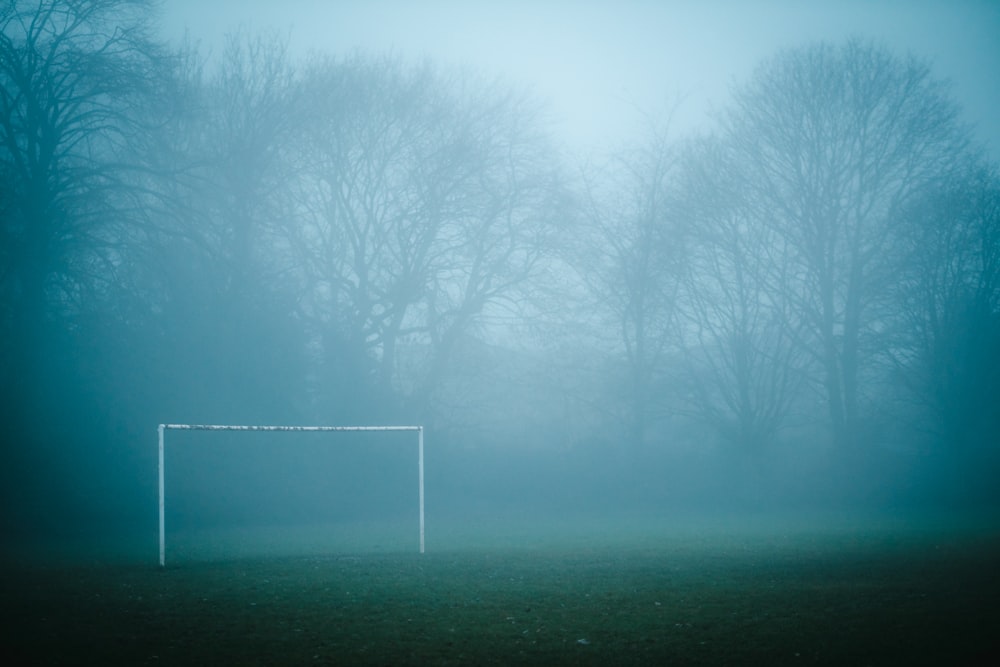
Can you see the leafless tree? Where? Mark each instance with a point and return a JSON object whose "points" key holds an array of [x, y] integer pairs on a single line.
{"points": [[425, 207], [210, 267], [743, 370], [946, 350], [836, 139], [630, 259], [76, 81]]}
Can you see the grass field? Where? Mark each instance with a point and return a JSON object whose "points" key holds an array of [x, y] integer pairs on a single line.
{"points": [[618, 591]]}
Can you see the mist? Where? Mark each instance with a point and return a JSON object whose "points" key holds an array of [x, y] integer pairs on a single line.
{"points": [[593, 299], [691, 317]]}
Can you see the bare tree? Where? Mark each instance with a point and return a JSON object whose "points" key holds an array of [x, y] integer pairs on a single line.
{"points": [[76, 79], [366, 120], [947, 330], [500, 229], [232, 301], [630, 260], [743, 369], [252, 103], [214, 302], [836, 140], [424, 202]]}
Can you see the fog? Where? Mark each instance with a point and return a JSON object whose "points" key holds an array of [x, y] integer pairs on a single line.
{"points": [[614, 258], [600, 67]]}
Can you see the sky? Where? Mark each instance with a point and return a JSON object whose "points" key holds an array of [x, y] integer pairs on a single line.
{"points": [[600, 65]]}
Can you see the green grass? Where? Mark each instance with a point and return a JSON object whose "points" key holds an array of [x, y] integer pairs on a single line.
{"points": [[621, 592]]}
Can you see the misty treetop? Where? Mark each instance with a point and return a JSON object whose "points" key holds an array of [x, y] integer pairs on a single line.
{"points": [[256, 238], [831, 143]]}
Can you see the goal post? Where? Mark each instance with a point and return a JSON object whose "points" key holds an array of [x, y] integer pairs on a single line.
{"points": [[161, 430]]}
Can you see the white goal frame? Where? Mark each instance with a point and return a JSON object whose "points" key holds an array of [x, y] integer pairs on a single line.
{"points": [[218, 427]]}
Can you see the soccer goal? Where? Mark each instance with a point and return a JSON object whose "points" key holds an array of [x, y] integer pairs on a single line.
{"points": [[322, 429]]}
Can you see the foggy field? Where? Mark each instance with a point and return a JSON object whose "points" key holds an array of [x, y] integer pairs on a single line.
{"points": [[619, 590], [696, 304]]}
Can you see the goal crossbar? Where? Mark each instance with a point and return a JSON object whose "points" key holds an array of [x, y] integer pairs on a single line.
{"points": [[162, 428]]}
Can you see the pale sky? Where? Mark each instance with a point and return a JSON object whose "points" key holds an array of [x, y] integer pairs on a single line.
{"points": [[596, 62]]}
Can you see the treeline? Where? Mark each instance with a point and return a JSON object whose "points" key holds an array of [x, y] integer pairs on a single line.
{"points": [[256, 238]]}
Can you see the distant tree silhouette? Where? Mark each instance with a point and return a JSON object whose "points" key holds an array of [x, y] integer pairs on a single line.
{"points": [[631, 259], [226, 303], [947, 328], [78, 85], [834, 141], [742, 368], [425, 202], [75, 80]]}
